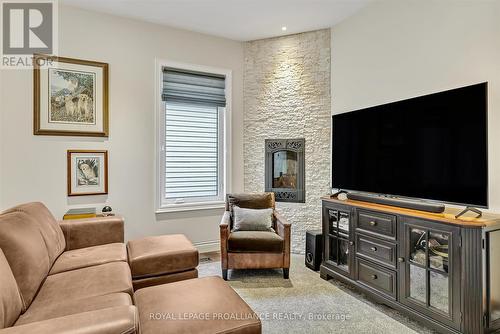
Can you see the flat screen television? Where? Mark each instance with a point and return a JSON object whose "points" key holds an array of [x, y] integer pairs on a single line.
{"points": [[432, 147]]}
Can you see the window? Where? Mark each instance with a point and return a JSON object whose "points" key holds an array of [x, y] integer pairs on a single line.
{"points": [[192, 141]]}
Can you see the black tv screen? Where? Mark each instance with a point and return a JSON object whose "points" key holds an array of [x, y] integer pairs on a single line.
{"points": [[430, 147]]}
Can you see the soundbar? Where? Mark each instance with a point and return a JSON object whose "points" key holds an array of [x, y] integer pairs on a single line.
{"points": [[399, 202]]}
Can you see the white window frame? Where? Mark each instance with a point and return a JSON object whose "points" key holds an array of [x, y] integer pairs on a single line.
{"points": [[161, 204]]}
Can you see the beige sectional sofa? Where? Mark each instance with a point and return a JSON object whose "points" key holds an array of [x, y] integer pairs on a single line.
{"points": [[74, 277], [68, 276]]}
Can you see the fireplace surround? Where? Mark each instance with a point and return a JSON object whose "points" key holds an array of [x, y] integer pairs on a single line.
{"points": [[285, 169]]}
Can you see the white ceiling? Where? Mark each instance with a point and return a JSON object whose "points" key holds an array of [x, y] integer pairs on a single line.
{"points": [[241, 20]]}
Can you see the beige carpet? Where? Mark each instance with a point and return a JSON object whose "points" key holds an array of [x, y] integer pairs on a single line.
{"points": [[308, 304]]}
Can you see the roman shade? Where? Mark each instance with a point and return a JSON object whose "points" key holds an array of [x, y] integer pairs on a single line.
{"points": [[194, 87]]}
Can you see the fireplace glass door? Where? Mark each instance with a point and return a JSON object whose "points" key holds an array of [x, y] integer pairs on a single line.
{"points": [[285, 169]]}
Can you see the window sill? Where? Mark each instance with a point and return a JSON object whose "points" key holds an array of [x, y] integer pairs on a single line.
{"points": [[190, 207]]}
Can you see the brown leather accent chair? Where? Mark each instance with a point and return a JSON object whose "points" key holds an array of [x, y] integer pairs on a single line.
{"points": [[254, 249]]}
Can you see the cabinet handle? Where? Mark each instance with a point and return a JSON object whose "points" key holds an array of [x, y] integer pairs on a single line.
{"points": [[351, 243], [401, 259], [373, 249], [373, 223], [373, 276]]}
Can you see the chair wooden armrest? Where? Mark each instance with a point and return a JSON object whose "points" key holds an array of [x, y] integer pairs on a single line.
{"points": [[283, 228], [224, 228]]}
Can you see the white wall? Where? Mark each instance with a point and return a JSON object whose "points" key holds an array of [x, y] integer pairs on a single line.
{"points": [[395, 49], [34, 167]]}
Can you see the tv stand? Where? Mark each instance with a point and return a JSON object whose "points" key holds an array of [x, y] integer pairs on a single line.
{"points": [[438, 270], [469, 208], [399, 202]]}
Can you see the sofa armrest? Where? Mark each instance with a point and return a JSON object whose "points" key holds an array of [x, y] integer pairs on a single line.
{"points": [[120, 319], [224, 227], [283, 228], [81, 233]]}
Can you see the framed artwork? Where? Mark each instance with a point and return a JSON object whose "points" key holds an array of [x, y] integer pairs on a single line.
{"points": [[70, 97], [87, 172]]}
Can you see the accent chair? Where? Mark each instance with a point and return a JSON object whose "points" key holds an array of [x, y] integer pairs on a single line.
{"points": [[254, 249]]}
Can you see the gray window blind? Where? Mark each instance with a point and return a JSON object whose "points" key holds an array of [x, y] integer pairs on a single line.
{"points": [[193, 87], [192, 135]]}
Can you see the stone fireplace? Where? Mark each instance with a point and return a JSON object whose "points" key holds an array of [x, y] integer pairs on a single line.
{"points": [[287, 95], [285, 169]]}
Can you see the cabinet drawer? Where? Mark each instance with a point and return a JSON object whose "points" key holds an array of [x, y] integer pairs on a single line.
{"points": [[377, 223], [377, 278], [376, 250]]}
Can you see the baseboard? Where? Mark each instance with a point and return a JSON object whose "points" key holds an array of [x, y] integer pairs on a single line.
{"points": [[207, 246]]}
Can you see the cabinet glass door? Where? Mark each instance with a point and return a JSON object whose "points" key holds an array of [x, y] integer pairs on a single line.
{"points": [[339, 253], [339, 245], [493, 242], [428, 271], [417, 265], [428, 258]]}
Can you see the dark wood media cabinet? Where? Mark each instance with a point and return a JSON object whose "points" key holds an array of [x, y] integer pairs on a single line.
{"points": [[441, 271]]}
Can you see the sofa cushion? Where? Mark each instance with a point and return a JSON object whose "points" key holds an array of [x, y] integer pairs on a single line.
{"points": [[88, 257], [25, 250], [141, 283], [212, 297], [83, 283], [255, 241], [48, 225], [250, 201], [67, 307], [112, 320], [89, 232], [10, 300], [252, 219], [158, 255]]}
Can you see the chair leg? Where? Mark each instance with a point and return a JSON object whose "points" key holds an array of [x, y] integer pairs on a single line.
{"points": [[224, 274], [286, 273]]}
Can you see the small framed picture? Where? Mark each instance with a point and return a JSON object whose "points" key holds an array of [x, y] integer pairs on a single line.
{"points": [[87, 172], [70, 97]]}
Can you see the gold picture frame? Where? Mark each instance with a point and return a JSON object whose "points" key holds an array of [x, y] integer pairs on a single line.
{"points": [[70, 97], [87, 172]]}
